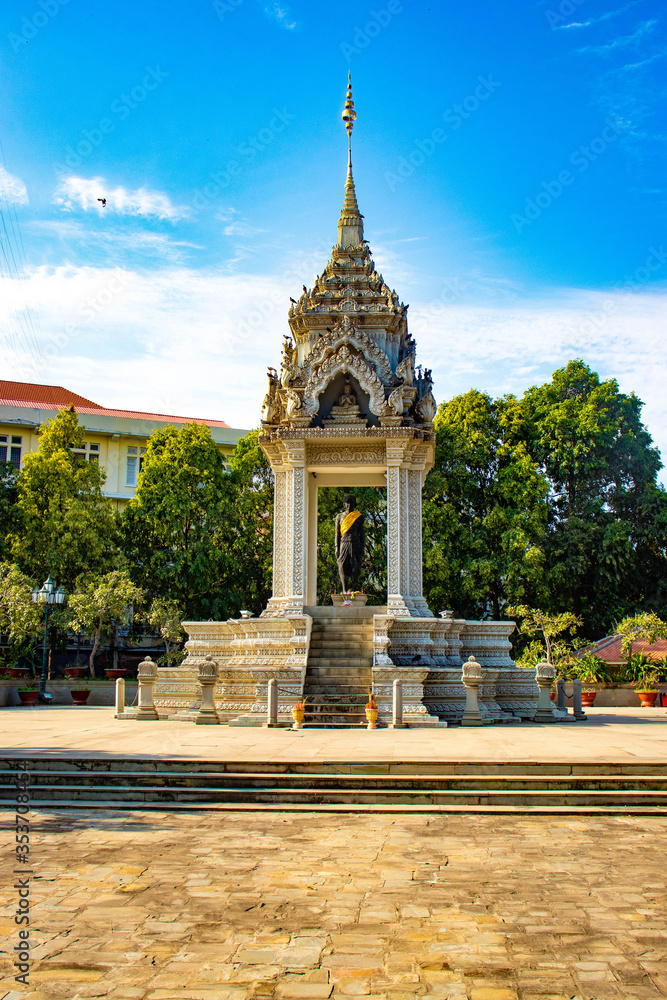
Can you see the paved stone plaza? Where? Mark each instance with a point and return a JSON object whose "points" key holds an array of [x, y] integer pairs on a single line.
{"points": [[239, 905], [624, 735]]}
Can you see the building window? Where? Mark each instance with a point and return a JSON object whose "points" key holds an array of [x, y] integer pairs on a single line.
{"points": [[3, 448], [87, 453], [135, 464], [15, 452]]}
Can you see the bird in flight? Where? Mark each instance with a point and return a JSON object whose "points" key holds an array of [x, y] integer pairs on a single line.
{"points": [[104, 202]]}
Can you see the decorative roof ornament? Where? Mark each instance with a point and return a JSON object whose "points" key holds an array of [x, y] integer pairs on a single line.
{"points": [[350, 224], [349, 114]]}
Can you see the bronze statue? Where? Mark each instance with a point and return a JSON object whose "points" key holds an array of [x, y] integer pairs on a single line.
{"points": [[349, 544]]}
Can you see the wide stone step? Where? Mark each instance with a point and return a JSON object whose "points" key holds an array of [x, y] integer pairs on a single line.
{"points": [[327, 660], [343, 647], [577, 789], [342, 697]]}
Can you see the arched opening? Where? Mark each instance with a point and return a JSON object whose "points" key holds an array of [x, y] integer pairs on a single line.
{"points": [[372, 502], [330, 396]]}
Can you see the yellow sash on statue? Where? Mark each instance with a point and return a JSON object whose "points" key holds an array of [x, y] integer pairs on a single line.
{"points": [[348, 521]]}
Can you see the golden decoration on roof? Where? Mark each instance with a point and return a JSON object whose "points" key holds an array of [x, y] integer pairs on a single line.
{"points": [[349, 114]]}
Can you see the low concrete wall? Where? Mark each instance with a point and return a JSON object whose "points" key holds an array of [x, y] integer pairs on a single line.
{"points": [[101, 692], [619, 696]]}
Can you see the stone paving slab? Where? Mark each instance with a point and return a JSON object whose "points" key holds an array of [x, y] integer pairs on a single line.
{"points": [[210, 907], [609, 735]]}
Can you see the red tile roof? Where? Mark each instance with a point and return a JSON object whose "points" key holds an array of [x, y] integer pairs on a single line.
{"points": [[54, 397], [609, 649], [33, 393]]}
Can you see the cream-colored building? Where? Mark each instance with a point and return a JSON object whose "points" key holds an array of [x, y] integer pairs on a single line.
{"points": [[117, 439]]}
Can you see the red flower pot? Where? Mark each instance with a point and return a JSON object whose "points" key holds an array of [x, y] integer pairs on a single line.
{"points": [[28, 698], [647, 698], [113, 675], [588, 698], [75, 673], [80, 697], [18, 673]]}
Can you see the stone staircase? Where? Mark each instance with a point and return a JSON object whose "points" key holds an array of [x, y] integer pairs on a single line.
{"points": [[79, 782], [339, 672]]}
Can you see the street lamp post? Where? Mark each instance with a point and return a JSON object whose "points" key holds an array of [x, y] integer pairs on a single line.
{"points": [[47, 595]]}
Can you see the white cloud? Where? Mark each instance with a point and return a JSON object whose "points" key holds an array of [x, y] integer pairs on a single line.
{"points": [[598, 20], [644, 29], [197, 343], [86, 193], [12, 189], [282, 15]]}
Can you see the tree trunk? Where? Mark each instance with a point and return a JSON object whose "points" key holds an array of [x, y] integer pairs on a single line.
{"points": [[93, 652]]}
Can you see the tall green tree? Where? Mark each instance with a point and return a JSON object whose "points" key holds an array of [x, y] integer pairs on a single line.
{"points": [[606, 534], [485, 510], [181, 527], [9, 510], [64, 526], [100, 604], [252, 482]]}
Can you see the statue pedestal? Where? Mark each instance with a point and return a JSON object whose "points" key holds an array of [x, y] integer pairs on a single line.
{"points": [[349, 600]]}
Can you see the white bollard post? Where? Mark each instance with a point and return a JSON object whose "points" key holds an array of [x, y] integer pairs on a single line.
{"points": [[271, 704], [208, 675], [577, 707], [146, 677], [544, 676], [561, 703], [472, 678], [120, 696], [397, 708]]}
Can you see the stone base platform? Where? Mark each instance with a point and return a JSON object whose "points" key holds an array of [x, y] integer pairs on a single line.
{"points": [[426, 654]]}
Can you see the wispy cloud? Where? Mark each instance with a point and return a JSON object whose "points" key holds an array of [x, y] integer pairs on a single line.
{"points": [[87, 194], [125, 246], [644, 29], [129, 345], [282, 15], [598, 20], [12, 189]]}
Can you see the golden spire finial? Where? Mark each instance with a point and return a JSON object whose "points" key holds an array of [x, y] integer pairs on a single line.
{"points": [[349, 114], [350, 224]]}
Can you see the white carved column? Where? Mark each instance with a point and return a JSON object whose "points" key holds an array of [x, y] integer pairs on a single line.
{"points": [[396, 515], [311, 558], [279, 533], [415, 531], [296, 526]]}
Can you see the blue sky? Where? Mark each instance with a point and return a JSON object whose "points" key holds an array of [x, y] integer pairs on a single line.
{"points": [[509, 159]]}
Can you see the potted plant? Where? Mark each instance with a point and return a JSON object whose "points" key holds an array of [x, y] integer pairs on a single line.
{"points": [[371, 712], [29, 693], [80, 695], [644, 675], [298, 712], [18, 673], [589, 669], [645, 686], [114, 673], [74, 672]]}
